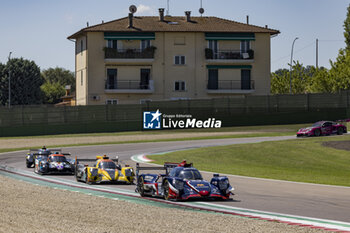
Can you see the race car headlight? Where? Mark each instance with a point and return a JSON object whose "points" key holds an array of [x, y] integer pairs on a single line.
{"points": [[67, 166], [215, 189], [93, 171], [223, 184], [178, 184], [230, 189], [128, 172]]}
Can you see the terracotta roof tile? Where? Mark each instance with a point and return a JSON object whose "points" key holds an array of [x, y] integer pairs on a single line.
{"points": [[152, 24]]}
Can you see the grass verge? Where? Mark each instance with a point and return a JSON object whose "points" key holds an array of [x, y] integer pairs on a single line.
{"points": [[302, 160], [158, 140], [287, 129]]}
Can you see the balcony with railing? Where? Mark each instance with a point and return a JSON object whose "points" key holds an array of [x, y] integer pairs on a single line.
{"points": [[129, 86], [231, 86], [130, 54], [224, 55]]}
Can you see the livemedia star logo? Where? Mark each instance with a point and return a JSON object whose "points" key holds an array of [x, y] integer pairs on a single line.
{"points": [[152, 120]]}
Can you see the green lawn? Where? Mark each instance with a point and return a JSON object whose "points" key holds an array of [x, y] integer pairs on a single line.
{"points": [[270, 134], [304, 160], [249, 131]]}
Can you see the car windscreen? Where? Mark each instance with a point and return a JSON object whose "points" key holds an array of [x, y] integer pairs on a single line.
{"points": [[58, 159], [317, 124], [44, 157], [190, 175], [44, 152], [327, 124], [107, 165]]}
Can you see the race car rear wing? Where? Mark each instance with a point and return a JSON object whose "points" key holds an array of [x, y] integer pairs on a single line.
{"points": [[65, 154], [52, 150], [139, 168], [93, 160], [167, 167]]}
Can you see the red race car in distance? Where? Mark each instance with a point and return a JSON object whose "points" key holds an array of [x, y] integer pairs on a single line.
{"points": [[322, 128]]}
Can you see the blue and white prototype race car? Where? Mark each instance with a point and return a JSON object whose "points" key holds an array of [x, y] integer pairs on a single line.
{"points": [[181, 181]]}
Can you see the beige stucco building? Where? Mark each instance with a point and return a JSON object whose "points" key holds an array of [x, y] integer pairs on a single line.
{"points": [[136, 59]]}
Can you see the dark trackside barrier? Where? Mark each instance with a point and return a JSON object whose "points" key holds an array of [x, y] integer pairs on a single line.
{"points": [[235, 111]]}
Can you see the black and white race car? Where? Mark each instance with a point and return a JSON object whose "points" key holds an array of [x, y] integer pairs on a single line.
{"points": [[38, 153], [54, 164]]}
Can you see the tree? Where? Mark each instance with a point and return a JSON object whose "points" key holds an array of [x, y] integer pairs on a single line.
{"points": [[280, 82], [52, 92], [347, 29], [60, 75], [300, 80], [55, 81], [25, 82], [340, 71], [2, 84], [339, 74], [310, 79], [321, 82]]}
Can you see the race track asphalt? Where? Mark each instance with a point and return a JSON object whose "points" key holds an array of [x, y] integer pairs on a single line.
{"points": [[310, 200]]}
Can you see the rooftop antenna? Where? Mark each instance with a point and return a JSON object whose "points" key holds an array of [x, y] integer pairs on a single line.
{"points": [[201, 9], [132, 9], [167, 9]]}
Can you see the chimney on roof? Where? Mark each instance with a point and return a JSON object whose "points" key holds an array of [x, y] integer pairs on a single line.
{"points": [[247, 19], [188, 16], [131, 16], [161, 14]]}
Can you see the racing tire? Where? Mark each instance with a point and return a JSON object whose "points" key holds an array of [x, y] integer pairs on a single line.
{"points": [[340, 131], [166, 190], [317, 133], [37, 170], [76, 177], [141, 187], [29, 165], [86, 179]]}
